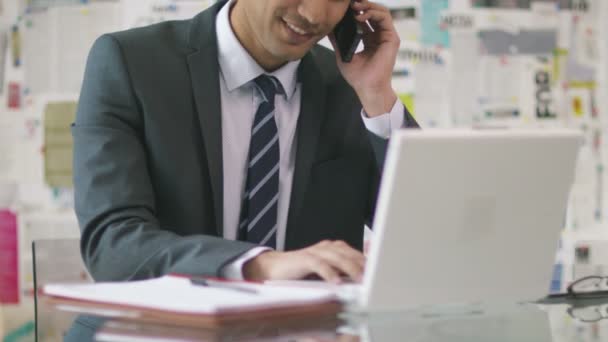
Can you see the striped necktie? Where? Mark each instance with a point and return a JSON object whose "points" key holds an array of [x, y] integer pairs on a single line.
{"points": [[258, 219]]}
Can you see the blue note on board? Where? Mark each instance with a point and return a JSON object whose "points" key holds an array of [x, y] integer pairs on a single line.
{"points": [[556, 278], [430, 21]]}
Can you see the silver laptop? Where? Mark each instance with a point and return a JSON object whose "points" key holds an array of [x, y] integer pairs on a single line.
{"points": [[466, 216]]}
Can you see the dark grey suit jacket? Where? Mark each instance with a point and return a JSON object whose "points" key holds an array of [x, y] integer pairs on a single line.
{"points": [[148, 155]]}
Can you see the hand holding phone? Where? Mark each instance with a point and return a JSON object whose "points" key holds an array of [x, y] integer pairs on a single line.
{"points": [[368, 72], [348, 35]]}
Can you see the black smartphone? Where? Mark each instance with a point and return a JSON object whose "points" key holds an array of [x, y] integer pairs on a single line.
{"points": [[348, 35]]}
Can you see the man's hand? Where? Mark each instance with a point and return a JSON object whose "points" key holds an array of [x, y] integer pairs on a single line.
{"points": [[371, 70], [329, 260]]}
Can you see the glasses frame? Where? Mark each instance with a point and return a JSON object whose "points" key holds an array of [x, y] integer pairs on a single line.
{"points": [[592, 294], [602, 311]]}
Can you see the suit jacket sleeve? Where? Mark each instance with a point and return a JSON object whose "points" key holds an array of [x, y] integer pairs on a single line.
{"points": [[379, 147], [122, 239]]}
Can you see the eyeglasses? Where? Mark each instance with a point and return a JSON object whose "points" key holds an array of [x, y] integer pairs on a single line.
{"points": [[589, 287], [589, 314], [588, 297]]}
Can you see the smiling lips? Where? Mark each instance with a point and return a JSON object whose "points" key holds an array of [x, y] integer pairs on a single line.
{"points": [[295, 28], [296, 34]]}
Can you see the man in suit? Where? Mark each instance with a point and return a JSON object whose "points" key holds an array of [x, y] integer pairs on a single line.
{"points": [[232, 145]]}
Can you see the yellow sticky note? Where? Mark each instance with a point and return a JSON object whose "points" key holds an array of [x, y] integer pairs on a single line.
{"points": [[58, 143], [408, 101], [577, 106]]}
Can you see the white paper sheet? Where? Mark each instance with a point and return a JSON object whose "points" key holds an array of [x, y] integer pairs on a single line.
{"points": [[464, 75], [177, 294], [75, 28], [147, 12], [3, 53], [499, 88], [431, 94], [9, 147], [57, 42], [37, 51]]}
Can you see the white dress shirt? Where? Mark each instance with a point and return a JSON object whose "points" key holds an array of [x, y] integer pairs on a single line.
{"points": [[240, 100]]}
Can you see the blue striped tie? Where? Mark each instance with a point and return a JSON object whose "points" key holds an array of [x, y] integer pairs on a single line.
{"points": [[258, 219]]}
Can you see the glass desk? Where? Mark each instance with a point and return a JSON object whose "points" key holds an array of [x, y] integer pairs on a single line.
{"points": [[557, 321]]}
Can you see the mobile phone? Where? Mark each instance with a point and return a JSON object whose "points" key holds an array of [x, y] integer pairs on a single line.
{"points": [[348, 35]]}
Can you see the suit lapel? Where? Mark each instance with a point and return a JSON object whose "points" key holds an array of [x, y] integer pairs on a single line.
{"points": [[204, 73], [312, 112]]}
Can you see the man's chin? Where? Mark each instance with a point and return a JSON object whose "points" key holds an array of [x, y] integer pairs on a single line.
{"points": [[295, 54], [295, 57]]}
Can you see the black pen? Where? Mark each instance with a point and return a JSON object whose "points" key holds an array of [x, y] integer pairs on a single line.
{"points": [[222, 285]]}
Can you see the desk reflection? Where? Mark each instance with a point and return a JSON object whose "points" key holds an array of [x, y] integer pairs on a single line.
{"points": [[501, 323], [89, 328]]}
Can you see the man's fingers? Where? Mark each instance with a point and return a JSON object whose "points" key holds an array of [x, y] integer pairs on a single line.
{"points": [[382, 24], [364, 5], [383, 20], [319, 266], [344, 265], [343, 248], [349, 253], [341, 256], [377, 14]]}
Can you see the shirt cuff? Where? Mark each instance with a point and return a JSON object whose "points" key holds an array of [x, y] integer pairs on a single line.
{"points": [[234, 270], [383, 125]]}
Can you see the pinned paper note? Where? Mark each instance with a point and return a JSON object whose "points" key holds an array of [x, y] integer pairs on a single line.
{"points": [[14, 96], [58, 143], [579, 101], [528, 42], [9, 258], [37, 51], [3, 50], [57, 40], [406, 23], [577, 106], [146, 12], [430, 20], [408, 101], [9, 150], [587, 37], [580, 60], [502, 3], [16, 46], [499, 99], [544, 98], [463, 84], [48, 3], [450, 21]]}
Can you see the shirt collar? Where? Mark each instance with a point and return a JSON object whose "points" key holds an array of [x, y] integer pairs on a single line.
{"points": [[237, 65]]}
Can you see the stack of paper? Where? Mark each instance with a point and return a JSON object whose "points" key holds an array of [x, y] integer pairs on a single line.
{"points": [[176, 299]]}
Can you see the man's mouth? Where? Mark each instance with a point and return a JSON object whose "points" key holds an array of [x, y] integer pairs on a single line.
{"points": [[298, 29]]}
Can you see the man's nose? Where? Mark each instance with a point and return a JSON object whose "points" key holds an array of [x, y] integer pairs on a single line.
{"points": [[314, 11]]}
